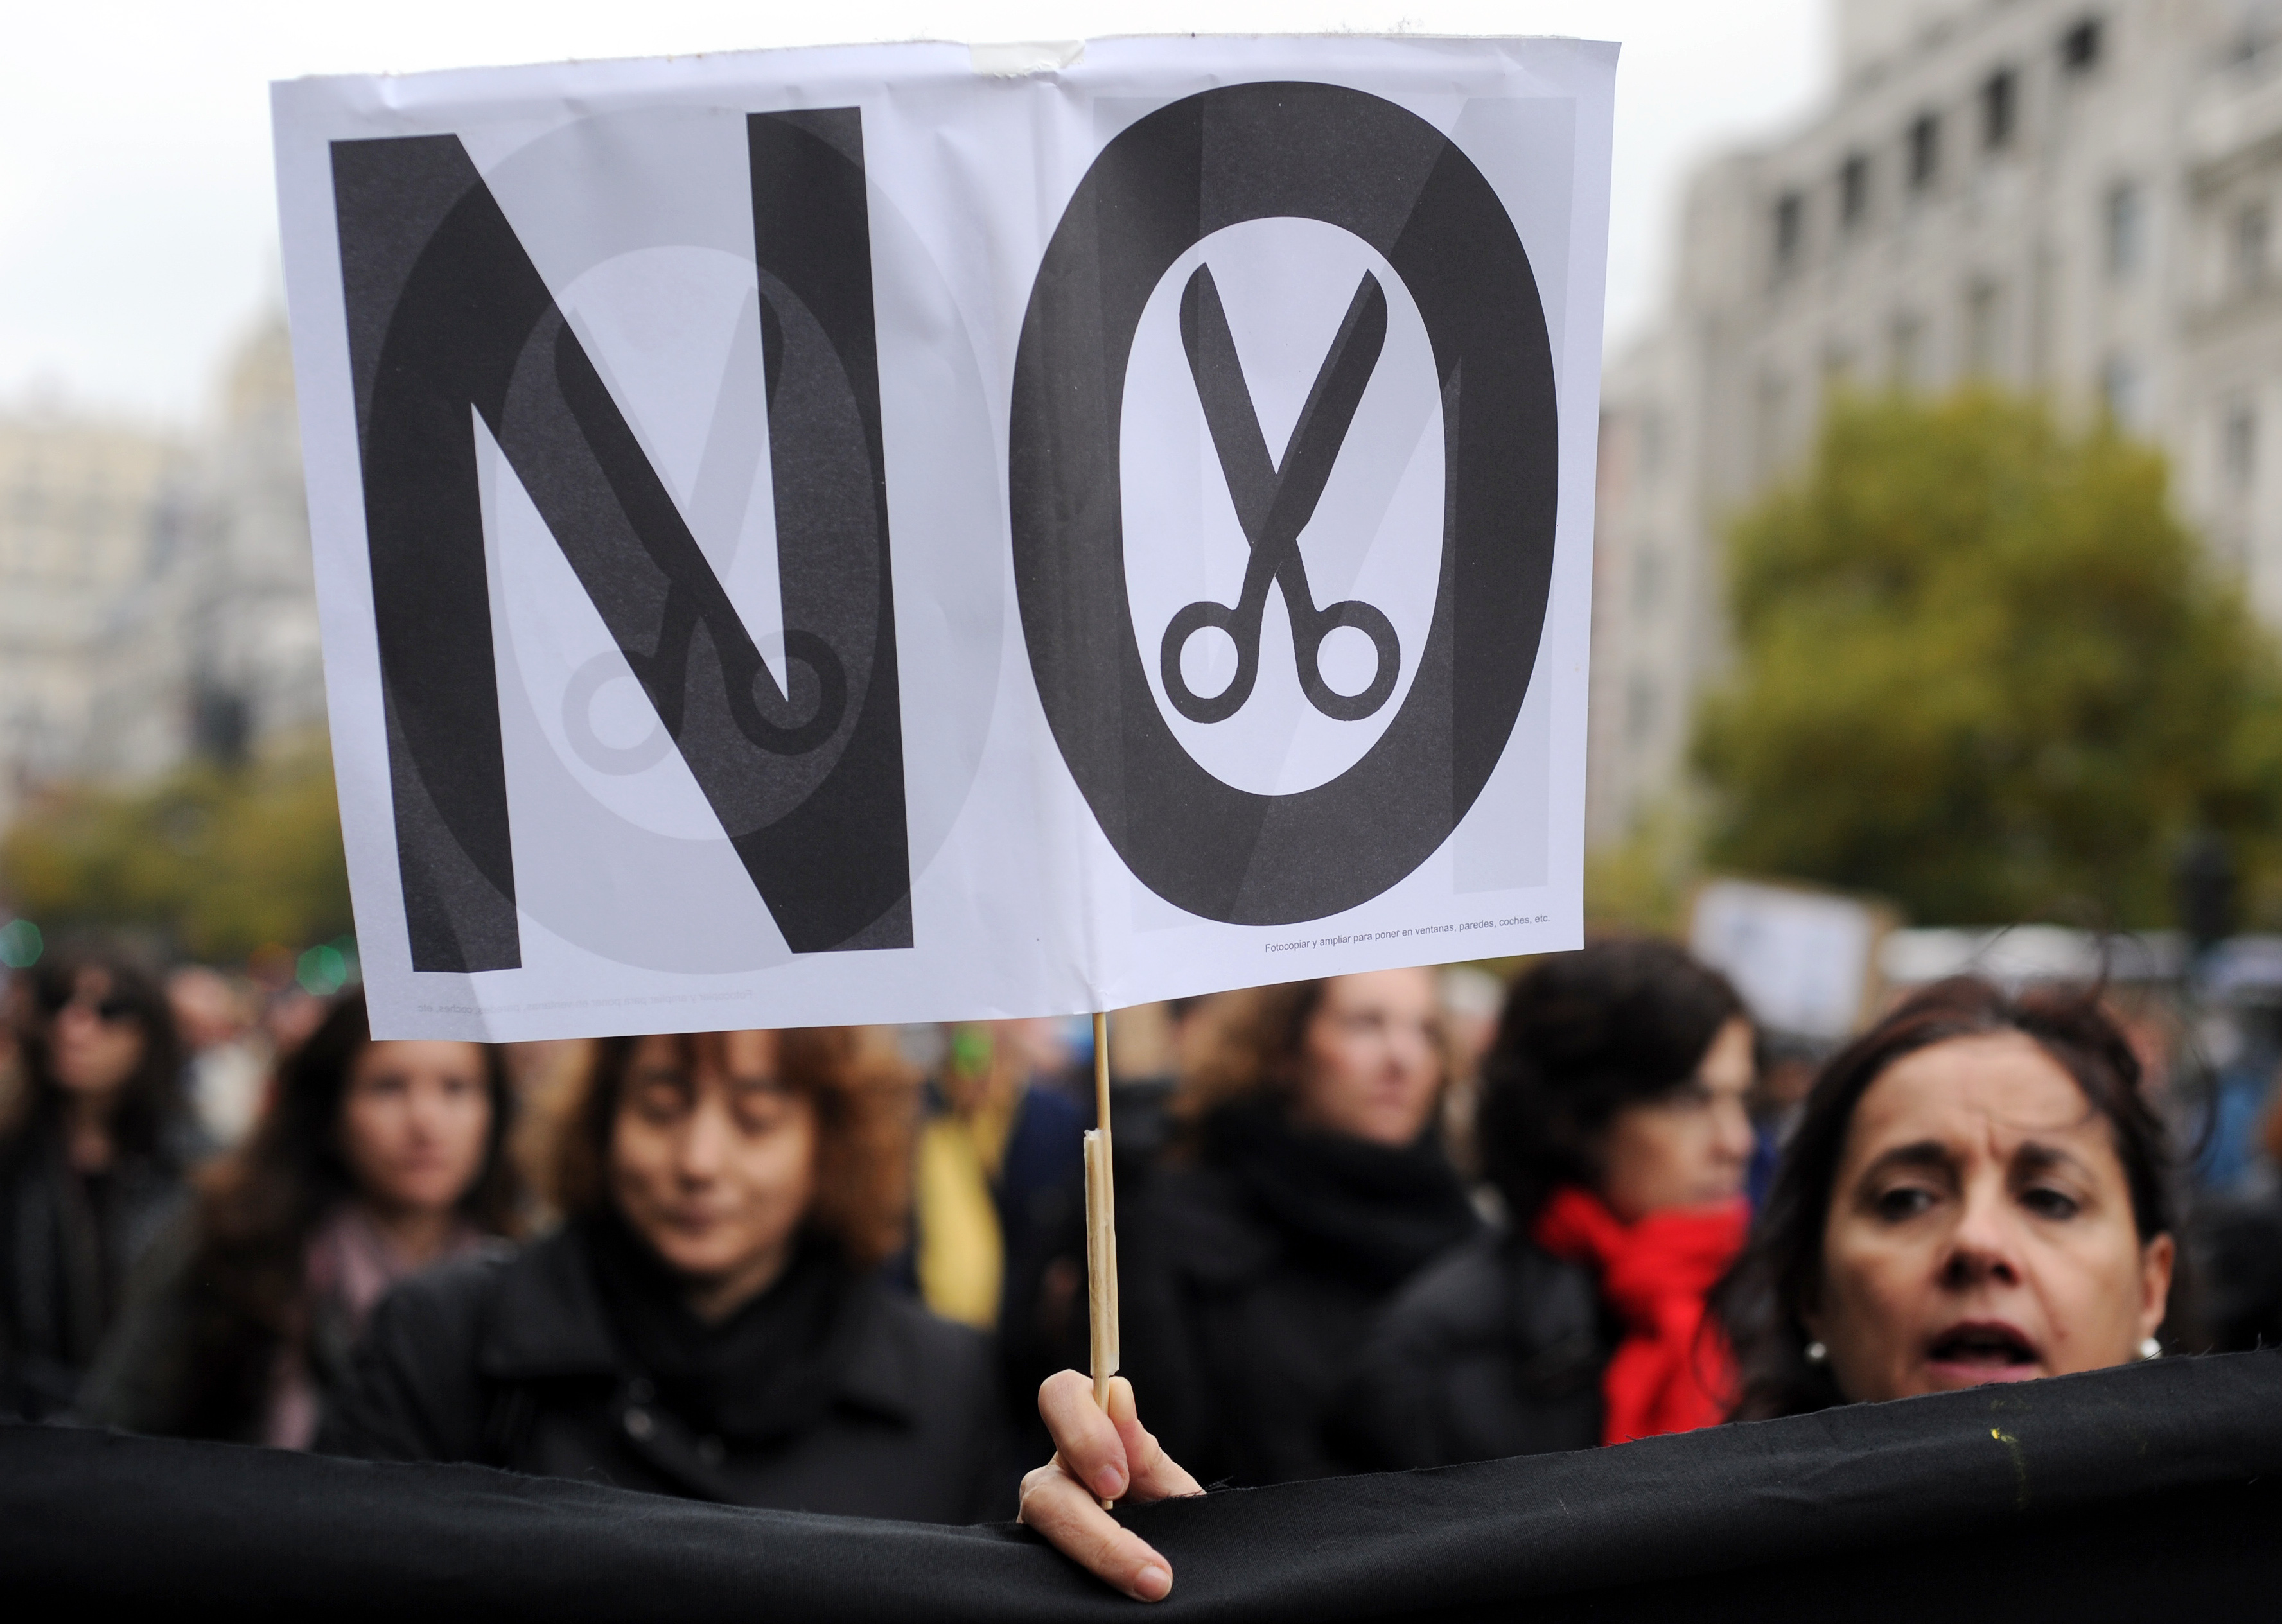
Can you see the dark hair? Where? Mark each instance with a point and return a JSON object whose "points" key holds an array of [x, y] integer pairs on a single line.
{"points": [[1583, 1036], [259, 1205], [864, 1097], [150, 1107], [1760, 1301]]}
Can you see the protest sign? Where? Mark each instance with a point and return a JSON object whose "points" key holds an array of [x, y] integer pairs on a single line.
{"points": [[1804, 960], [914, 532]]}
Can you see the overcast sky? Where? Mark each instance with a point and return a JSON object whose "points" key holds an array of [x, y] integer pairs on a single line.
{"points": [[138, 225]]}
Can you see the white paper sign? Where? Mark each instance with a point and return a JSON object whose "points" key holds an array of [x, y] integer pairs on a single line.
{"points": [[1801, 959], [884, 534]]}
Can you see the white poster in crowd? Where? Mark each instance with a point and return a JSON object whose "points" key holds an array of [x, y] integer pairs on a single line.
{"points": [[907, 532], [1804, 961]]}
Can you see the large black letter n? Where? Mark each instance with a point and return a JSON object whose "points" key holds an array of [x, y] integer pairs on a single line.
{"points": [[446, 315]]}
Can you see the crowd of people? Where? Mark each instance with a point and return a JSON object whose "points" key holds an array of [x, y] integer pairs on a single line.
{"points": [[1366, 1223]]}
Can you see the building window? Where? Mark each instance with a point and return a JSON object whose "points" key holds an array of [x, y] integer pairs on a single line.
{"points": [[1791, 229], [1907, 369], [1640, 708], [2126, 230], [1984, 330], [2000, 108], [2249, 247], [2119, 389], [1648, 580], [1853, 191], [2238, 447], [2080, 47], [1773, 425], [1925, 151]]}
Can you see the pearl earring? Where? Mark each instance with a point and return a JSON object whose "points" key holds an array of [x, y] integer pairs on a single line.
{"points": [[1816, 1353], [2149, 1348]]}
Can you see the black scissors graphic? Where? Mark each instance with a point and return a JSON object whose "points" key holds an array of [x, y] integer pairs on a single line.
{"points": [[1274, 502]]}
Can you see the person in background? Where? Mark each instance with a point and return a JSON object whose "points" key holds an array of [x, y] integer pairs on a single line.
{"points": [[2238, 1247], [1308, 1184], [288, 1017], [91, 1173], [998, 1166], [999, 1184], [546, 1078], [227, 1065], [1471, 998], [1786, 1065], [1612, 1126], [15, 1089], [374, 1160], [1977, 1192], [710, 1320]]}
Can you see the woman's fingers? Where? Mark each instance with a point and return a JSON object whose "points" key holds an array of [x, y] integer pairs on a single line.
{"points": [[1069, 1517], [1089, 1448], [1100, 1458], [1155, 1474]]}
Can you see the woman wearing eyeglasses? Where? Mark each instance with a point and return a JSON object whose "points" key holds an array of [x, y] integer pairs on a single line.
{"points": [[710, 1321], [91, 1170]]}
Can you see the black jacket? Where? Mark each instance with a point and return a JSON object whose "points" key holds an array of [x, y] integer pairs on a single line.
{"points": [[1496, 1351], [184, 1362], [1249, 1279], [2236, 1247], [67, 1246], [830, 1392]]}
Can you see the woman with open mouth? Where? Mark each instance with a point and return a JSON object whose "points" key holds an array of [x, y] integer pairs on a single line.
{"points": [[1977, 1192]]}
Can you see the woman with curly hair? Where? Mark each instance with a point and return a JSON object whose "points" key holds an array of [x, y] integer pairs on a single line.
{"points": [[710, 1320], [372, 1160]]}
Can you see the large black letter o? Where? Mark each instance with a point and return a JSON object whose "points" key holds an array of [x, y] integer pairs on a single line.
{"points": [[1363, 164]]}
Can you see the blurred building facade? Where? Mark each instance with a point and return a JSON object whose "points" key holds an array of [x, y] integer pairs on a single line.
{"points": [[2079, 199], [87, 515], [156, 596]]}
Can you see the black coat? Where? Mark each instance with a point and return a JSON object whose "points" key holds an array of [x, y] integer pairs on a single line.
{"points": [[1249, 1279], [184, 1362], [832, 1393], [2236, 1247], [68, 1244], [1496, 1351]]}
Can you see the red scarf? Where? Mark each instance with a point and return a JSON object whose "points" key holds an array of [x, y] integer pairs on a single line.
{"points": [[1671, 1372]]}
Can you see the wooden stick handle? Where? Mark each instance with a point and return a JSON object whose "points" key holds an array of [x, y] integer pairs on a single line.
{"points": [[1101, 1227]]}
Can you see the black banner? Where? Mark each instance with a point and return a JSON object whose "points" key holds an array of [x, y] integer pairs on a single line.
{"points": [[2148, 1492]]}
